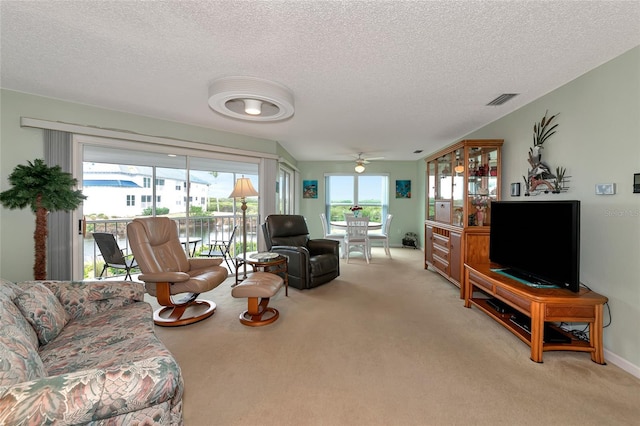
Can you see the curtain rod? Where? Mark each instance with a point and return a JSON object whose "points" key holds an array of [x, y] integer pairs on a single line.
{"points": [[133, 136]]}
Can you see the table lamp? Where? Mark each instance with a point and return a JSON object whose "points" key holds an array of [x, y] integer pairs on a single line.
{"points": [[242, 190]]}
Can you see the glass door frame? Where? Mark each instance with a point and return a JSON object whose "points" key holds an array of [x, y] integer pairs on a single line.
{"points": [[77, 150]]}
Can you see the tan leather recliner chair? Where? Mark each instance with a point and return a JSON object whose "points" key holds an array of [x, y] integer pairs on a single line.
{"points": [[167, 271]]}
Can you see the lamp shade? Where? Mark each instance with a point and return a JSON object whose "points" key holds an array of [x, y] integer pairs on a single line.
{"points": [[243, 189], [359, 168]]}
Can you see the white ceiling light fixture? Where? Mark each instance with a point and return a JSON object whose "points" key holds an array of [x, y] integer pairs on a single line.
{"points": [[251, 98], [361, 161], [252, 106]]}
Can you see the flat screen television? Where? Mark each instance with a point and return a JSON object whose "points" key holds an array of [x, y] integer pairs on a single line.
{"points": [[537, 242]]}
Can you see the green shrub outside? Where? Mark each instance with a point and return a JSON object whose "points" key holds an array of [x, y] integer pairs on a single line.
{"points": [[160, 211]]}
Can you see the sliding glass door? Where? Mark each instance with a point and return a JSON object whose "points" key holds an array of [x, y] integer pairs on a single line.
{"points": [[122, 184]]}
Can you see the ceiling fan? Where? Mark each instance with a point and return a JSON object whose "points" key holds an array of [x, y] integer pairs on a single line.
{"points": [[361, 161]]}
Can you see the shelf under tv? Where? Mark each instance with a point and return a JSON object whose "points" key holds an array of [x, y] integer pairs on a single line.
{"points": [[542, 305]]}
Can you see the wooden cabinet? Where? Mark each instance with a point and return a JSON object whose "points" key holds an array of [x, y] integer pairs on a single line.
{"points": [[462, 180]]}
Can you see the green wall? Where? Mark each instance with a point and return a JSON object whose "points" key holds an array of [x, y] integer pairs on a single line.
{"points": [[598, 141], [408, 213]]}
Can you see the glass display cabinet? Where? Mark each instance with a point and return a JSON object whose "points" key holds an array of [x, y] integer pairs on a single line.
{"points": [[462, 181]]}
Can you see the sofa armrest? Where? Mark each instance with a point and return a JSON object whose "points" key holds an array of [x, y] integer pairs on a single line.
{"points": [[93, 395], [83, 298]]}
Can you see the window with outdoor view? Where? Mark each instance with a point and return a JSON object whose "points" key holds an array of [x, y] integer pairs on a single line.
{"points": [[371, 192]]}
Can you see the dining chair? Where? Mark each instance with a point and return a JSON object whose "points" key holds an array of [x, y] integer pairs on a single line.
{"points": [[112, 254], [382, 236], [357, 236], [339, 237]]}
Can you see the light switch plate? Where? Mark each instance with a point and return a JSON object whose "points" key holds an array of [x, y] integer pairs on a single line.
{"points": [[605, 188]]}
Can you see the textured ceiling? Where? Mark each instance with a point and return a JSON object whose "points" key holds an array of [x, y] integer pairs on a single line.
{"points": [[380, 77]]}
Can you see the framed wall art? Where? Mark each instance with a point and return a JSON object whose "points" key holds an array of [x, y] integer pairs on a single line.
{"points": [[403, 189], [309, 189]]}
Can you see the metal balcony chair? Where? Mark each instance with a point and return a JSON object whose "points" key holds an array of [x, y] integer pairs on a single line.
{"points": [[220, 248], [113, 255]]}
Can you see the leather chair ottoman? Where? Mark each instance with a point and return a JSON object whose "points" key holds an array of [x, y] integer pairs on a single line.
{"points": [[258, 288]]}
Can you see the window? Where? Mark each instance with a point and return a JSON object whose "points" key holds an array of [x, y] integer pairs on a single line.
{"points": [[159, 182], [284, 190], [145, 201], [131, 200], [146, 182], [371, 192]]}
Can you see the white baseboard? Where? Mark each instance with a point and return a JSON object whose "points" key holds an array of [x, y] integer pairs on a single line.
{"points": [[622, 363]]}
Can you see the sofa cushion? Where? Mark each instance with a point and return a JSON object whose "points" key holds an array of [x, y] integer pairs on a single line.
{"points": [[7, 288], [103, 340], [84, 298], [9, 291], [19, 360], [43, 310]]}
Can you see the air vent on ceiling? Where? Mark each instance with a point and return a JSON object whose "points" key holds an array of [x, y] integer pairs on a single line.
{"points": [[502, 99]]}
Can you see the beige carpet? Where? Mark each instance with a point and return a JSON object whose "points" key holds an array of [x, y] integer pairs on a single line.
{"points": [[385, 344]]}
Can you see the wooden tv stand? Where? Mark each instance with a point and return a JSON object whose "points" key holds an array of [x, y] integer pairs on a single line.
{"points": [[541, 305]]}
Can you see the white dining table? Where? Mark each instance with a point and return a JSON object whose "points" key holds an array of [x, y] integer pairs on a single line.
{"points": [[342, 225]]}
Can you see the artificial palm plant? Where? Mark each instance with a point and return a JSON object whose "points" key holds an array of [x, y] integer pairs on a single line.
{"points": [[45, 189]]}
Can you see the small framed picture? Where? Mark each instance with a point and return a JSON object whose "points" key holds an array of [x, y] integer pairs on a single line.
{"points": [[403, 189], [309, 189]]}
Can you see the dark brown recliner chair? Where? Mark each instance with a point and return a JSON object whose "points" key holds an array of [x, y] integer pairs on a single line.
{"points": [[167, 271], [311, 262]]}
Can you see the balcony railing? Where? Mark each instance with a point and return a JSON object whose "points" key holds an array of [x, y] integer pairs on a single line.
{"points": [[204, 228]]}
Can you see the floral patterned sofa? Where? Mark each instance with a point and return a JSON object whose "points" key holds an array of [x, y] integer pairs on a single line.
{"points": [[83, 353]]}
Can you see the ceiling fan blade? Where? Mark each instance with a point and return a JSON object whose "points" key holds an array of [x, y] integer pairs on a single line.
{"points": [[373, 158]]}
